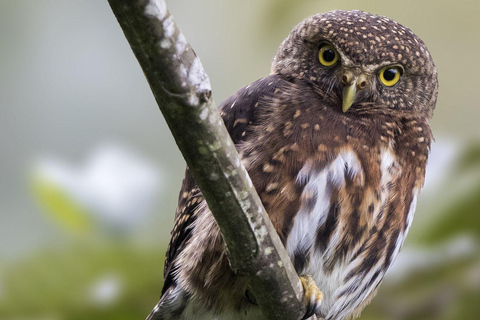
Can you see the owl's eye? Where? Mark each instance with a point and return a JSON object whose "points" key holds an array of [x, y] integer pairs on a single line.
{"points": [[327, 55], [390, 76]]}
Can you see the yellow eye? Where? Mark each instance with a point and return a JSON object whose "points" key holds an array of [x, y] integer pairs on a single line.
{"points": [[390, 76], [327, 55]]}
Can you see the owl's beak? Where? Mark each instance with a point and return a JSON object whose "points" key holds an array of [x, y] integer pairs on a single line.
{"points": [[352, 83], [349, 93]]}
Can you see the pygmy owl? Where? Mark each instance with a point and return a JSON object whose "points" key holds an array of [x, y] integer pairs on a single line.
{"points": [[336, 141]]}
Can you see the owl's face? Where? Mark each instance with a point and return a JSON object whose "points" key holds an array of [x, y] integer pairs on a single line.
{"points": [[362, 61]]}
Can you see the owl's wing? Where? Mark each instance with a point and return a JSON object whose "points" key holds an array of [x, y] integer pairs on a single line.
{"points": [[238, 113]]}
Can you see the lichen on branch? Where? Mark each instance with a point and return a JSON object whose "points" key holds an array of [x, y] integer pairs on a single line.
{"points": [[182, 90]]}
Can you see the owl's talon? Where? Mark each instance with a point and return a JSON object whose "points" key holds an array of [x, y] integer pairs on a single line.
{"points": [[313, 296]]}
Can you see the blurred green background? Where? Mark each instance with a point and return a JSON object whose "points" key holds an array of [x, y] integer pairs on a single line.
{"points": [[90, 173]]}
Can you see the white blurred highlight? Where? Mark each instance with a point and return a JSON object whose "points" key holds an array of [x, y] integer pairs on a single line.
{"points": [[442, 157], [412, 260], [117, 186], [106, 290]]}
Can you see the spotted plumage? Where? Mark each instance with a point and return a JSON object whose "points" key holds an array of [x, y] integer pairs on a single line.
{"points": [[336, 142]]}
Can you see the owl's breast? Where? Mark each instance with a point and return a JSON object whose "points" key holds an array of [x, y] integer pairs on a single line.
{"points": [[351, 221], [340, 190]]}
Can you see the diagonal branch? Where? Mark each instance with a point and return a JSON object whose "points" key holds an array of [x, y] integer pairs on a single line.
{"points": [[182, 90]]}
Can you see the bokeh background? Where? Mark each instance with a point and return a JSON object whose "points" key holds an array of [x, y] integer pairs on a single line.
{"points": [[89, 173]]}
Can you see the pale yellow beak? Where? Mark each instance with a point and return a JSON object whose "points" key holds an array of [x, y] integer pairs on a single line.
{"points": [[349, 93]]}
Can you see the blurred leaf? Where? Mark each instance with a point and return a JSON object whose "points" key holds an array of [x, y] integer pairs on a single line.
{"points": [[460, 218], [442, 292], [59, 206], [467, 307], [463, 215]]}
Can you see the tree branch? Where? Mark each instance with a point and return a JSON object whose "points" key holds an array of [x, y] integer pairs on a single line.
{"points": [[182, 90]]}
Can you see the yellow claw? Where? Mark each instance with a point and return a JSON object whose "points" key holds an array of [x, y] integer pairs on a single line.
{"points": [[312, 294]]}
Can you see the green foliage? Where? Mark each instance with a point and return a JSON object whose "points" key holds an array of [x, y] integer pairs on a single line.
{"points": [[62, 284], [58, 205], [470, 159], [463, 214], [461, 217]]}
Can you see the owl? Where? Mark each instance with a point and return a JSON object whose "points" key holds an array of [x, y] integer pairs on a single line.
{"points": [[336, 141]]}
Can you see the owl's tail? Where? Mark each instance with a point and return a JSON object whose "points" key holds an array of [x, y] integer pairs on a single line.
{"points": [[171, 305]]}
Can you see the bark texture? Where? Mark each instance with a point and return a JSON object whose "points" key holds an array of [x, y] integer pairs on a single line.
{"points": [[182, 90]]}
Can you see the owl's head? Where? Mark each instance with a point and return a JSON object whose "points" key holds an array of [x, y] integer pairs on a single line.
{"points": [[362, 60]]}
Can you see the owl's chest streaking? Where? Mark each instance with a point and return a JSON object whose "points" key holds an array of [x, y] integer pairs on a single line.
{"points": [[341, 191]]}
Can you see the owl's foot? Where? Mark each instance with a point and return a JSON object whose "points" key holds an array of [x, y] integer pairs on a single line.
{"points": [[313, 296]]}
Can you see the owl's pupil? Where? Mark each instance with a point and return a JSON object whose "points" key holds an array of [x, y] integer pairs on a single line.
{"points": [[390, 74], [329, 55]]}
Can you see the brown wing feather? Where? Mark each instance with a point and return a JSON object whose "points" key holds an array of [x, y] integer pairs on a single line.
{"points": [[238, 113]]}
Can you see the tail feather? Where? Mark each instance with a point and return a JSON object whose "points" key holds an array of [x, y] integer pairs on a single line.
{"points": [[171, 305]]}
